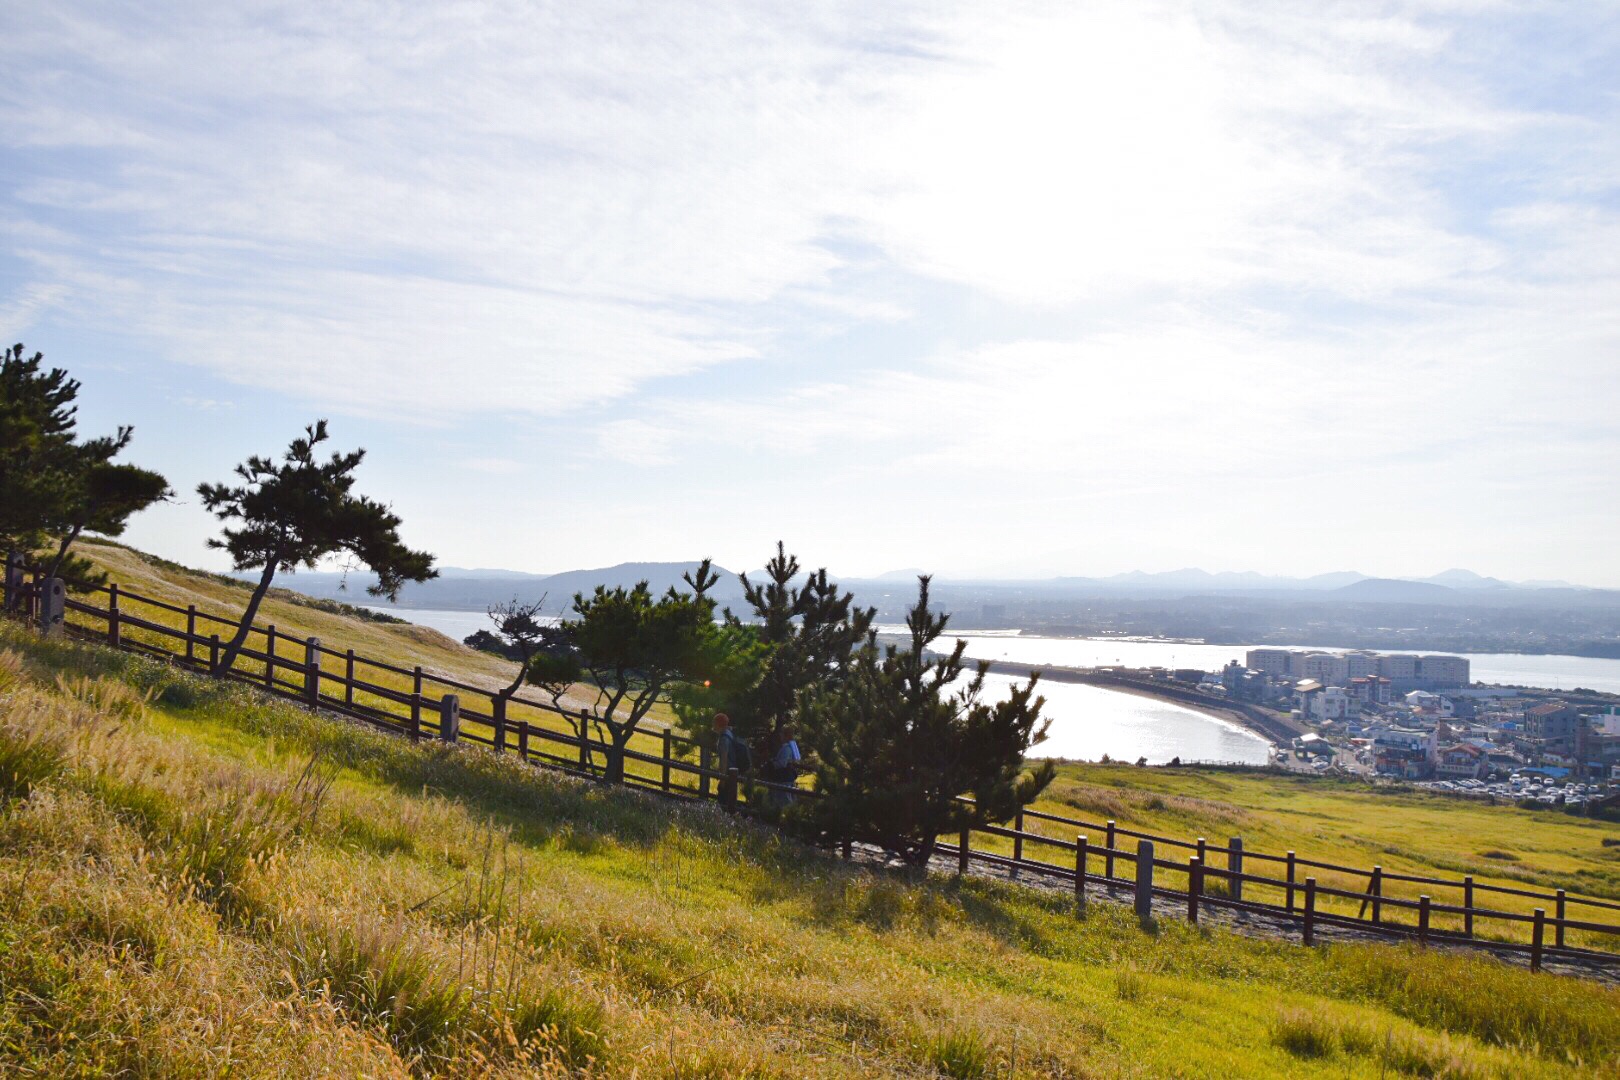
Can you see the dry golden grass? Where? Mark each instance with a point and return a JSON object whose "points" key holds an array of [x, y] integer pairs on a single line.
{"points": [[195, 882]]}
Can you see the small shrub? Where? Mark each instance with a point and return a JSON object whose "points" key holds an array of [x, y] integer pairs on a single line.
{"points": [[28, 757], [113, 698], [1130, 985], [1305, 1034], [377, 978], [554, 1026], [11, 669], [960, 1054], [1506, 856]]}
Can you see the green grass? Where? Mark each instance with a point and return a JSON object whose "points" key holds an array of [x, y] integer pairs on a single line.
{"points": [[1350, 823], [341, 627], [207, 883], [1330, 820]]}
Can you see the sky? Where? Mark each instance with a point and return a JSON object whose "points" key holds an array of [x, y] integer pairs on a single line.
{"points": [[993, 290]]}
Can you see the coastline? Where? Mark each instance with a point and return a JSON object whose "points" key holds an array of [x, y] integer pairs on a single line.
{"points": [[1274, 730]]}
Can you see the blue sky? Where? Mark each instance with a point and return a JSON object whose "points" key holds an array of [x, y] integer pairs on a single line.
{"points": [[1012, 289]]}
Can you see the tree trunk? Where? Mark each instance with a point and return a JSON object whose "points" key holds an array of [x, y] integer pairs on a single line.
{"points": [[523, 669], [614, 773], [61, 552], [228, 657]]}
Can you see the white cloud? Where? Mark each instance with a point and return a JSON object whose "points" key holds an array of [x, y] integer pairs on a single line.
{"points": [[1227, 243]]}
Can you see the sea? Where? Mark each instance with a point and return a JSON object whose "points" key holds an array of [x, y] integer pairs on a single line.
{"points": [[1088, 722]]}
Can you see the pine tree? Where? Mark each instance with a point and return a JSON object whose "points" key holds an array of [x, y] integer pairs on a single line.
{"points": [[101, 497], [896, 747], [52, 485], [809, 633], [299, 512], [636, 649], [38, 455]]}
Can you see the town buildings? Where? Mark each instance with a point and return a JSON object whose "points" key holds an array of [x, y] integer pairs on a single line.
{"points": [[1405, 672]]}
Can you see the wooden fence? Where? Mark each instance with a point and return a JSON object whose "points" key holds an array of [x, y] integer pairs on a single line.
{"points": [[1085, 855]]}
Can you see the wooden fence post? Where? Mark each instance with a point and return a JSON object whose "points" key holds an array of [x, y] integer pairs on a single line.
{"points": [[964, 844], [1468, 905], [1423, 919], [704, 761], [497, 717], [1537, 935], [416, 717], [1108, 859], [1080, 875], [270, 656], [348, 678], [1375, 895], [584, 740], [1018, 844], [1310, 911], [191, 632], [1558, 927], [1195, 885], [1144, 881], [312, 672], [112, 615], [1202, 854], [449, 718], [1234, 863], [523, 739], [1290, 882], [16, 580], [52, 606], [669, 752]]}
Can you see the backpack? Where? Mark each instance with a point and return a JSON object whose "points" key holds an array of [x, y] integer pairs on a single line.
{"points": [[740, 758]]}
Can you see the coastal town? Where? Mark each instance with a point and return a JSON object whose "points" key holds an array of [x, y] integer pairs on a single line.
{"points": [[1419, 718]]}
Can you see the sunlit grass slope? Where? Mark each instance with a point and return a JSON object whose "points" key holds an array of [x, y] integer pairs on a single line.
{"points": [[297, 618], [1337, 821], [1352, 823], [195, 881]]}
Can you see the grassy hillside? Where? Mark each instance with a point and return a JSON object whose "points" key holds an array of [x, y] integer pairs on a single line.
{"points": [[297, 618], [1353, 823], [1338, 821], [194, 881]]}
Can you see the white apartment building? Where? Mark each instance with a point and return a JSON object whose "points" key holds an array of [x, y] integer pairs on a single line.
{"points": [[1405, 672], [1278, 663], [1330, 669], [1443, 670]]}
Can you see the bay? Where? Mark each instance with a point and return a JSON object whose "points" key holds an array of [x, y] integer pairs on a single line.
{"points": [[1087, 721]]}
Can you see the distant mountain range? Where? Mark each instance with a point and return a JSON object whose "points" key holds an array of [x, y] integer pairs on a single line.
{"points": [[458, 588], [474, 589], [1204, 581]]}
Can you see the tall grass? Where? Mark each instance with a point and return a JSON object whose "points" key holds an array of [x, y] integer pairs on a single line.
{"points": [[204, 883]]}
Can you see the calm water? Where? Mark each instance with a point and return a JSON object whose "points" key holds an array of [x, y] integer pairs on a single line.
{"points": [[1087, 721], [1513, 669]]}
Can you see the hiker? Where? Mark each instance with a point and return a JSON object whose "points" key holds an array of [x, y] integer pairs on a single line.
{"points": [[785, 765], [730, 753]]}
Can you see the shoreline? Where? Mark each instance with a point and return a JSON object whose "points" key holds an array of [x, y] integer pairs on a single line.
{"points": [[1274, 731]]}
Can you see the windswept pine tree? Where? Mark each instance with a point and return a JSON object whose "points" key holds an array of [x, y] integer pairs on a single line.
{"points": [[636, 649], [896, 746], [53, 487], [809, 631], [298, 513]]}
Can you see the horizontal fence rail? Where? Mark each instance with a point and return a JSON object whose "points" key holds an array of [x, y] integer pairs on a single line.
{"points": [[1308, 894]]}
